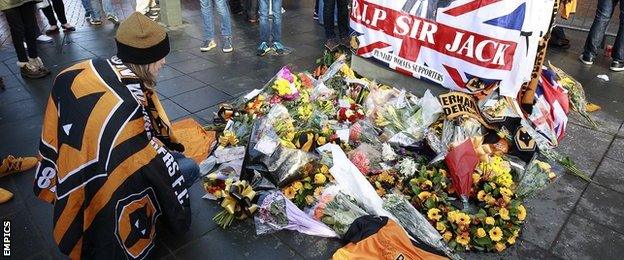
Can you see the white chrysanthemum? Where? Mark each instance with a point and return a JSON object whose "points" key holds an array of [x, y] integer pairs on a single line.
{"points": [[388, 153]]}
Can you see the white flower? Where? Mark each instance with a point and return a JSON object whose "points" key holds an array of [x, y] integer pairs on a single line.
{"points": [[408, 167], [388, 153]]}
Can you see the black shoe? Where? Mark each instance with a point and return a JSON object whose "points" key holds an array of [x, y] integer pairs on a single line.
{"points": [[617, 65], [586, 59], [315, 16], [34, 73]]}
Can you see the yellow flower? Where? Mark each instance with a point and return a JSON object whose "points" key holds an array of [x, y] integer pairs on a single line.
{"points": [[476, 178], [434, 214], [347, 72], [282, 86], [490, 200], [481, 195], [511, 240], [463, 219], [297, 185], [489, 220], [228, 138], [441, 227], [321, 140], [504, 213], [318, 191], [324, 169], [309, 200], [481, 233], [496, 234], [521, 213], [506, 199], [452, 215], [447, 236], [290, 193], [506, 192], [424, 195], [500, 247], [427, 184], [319, 179], [463, 239]]}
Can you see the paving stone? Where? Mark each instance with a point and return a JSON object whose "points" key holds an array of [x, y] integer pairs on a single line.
{"points": [[19, 110], [610, 175], [179, 55], [208, 113], [13, 95], [237, 242], [11, 81], [520, 250], [607, 122], [173, 110], [20, 133], [585, 147], [167, 72], [192, 65], [215, 74], [179, 85], [616, 151], [603, 206], [548, 210], [238, 85], [199, 99], [310, 247], [202, 211], [584, 239]]}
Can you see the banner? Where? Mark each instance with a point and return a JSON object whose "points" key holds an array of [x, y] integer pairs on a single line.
{"points": [[449, 42]]}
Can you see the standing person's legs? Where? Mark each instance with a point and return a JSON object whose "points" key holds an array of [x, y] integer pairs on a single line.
{"points": [[97, 13], [252, 12], [618, 48], [265, 27], [48, 12], [30, 30], [59, 9], [328, 18], [598, 29], [226, 24], [343, 18], [206, 10], [86, 4], [277, 21], [16, 27]]}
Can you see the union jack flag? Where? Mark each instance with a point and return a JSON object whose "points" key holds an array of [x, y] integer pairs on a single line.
{"points": [[508, 28]]}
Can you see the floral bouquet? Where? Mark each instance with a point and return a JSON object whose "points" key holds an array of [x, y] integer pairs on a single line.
{"points": [[236, 200], [386, 182], [337, 210], [536, 176], [286, 86], [366, 158], [575, 93], [305, 192], [350, 114], [277, 213]]}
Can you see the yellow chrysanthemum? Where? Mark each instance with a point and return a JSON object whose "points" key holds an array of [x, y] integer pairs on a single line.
{"points": [[434, 214], [496, 234], [441, 227], [506, 192], [504, 213], [424, 195], [490, 200], [489, 220], [481, 233], [481, 195], [318, 191], [463, 219], [324, 169], [319, 179], [452, 215], [476, 178], [447, 236], [500, 247], [282, 86], [511, 240], [521, 213], [506, 199], [463, 239], [290, 193]]}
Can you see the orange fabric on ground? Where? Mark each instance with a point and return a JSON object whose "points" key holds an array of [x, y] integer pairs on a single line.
{"points": [[197, 141]]}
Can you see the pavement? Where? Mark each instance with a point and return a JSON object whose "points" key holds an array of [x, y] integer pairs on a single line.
{"points": [[571, 219]]}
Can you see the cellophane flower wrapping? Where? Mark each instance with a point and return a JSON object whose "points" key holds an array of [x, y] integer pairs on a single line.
{"points": [[277, 213], [575, 93], [415, 223], [337, 210], [462, 161], [366, 158], [535, 177]]}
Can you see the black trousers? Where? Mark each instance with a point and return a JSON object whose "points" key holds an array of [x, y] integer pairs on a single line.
{"points": [[251, 8], [23, 26], [56, 6], [343, 18]]}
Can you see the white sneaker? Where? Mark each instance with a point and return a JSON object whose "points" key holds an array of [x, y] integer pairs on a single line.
{"points": [[208, 45], [44, 38]]}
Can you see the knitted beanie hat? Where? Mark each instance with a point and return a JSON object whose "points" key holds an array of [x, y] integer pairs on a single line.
{"points": [[141, 40]]}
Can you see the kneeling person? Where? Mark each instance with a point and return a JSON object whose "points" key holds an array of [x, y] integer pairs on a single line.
{"points": [[107, 162]]}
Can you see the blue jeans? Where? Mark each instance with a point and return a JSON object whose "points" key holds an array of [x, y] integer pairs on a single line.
{"points": [[265, 27], [223, 10], [188, 168], [98, 13], [86, 4], [599, 27]]}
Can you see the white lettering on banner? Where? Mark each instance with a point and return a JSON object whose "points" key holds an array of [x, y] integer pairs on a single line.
{"points": [[453, 43]]}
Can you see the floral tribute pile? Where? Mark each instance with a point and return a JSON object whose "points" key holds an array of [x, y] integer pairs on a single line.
{"points": [[321, 150]]}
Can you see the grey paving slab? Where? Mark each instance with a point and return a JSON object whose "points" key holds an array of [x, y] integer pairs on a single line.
{"points": [[208, 113], [173, 110], [179, 55], [18, 110], [198, 99], [167, 72], [17, 134], [603, 206], [215, 74], [238, 85], [237, 242], [13, 95], [616, 151], [610, 175], [585, 147], [606, 122], [192, 65], [584, 239], [178, 85], [520, 250], [310, 247], [24, 235]]}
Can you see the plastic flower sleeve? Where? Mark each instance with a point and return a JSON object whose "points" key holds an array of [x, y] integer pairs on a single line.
{"points": [[351, 180], [337, 210], [534, 178], [575, 93], [415, 223], [276, 213], [284, 163], [334, 68]]}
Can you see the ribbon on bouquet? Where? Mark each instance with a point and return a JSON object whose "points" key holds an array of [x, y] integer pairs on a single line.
{"points": [[237, 199]]}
